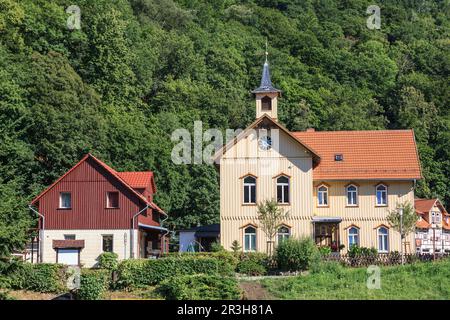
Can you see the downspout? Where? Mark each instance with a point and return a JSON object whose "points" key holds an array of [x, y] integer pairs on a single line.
{"points": [[132, 230], [41, 233]]}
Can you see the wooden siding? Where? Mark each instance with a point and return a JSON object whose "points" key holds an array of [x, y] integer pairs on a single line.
{"points": [[289, 158], [286, 157], [88, 185]]}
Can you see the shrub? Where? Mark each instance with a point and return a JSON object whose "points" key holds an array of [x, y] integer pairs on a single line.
{"points": [[227, 260], [325, 251], [200, 287], [139, 273], [296, 254], [93, 284], [253, 263], [251, 268], [108, 261], [216, 247], [44, 277], [329, 267], [5, 296]]}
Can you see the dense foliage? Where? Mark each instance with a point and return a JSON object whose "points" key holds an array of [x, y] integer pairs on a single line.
{"points": [[253, 263], [44, 277], [296, 254], [108, 261], [93, 284], [141, 273], [200, 287], [138, 69]]}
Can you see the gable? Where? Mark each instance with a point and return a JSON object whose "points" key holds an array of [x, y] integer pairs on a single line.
{"points": [[284, 144]]}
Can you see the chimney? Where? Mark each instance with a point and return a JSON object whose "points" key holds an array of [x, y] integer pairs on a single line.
{"points": [[310, 130]]}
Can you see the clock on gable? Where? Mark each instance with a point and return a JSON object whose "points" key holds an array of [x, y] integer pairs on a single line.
{"points": [[265, 143]]}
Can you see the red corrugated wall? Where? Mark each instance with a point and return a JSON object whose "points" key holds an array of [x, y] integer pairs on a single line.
{"points": [[88, 184]]}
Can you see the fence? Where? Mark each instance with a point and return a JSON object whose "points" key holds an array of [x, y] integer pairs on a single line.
{"points": [[382, 259]]}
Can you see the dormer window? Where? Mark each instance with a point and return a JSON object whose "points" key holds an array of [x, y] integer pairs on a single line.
{"points": [[339, 157], [266, 104]]}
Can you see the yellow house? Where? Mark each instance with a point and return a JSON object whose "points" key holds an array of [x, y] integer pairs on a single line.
{"points": [[337, 186]]}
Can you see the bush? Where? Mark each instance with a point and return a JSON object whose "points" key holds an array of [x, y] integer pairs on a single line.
{"points": [[43, 277], [328, 267], [253, 263], [5, 296], [108, 261], [356, 251], [325, 251], [296, 254], [216, 247], [93, 284], [141, 273], [227, 260], [200, 287]]}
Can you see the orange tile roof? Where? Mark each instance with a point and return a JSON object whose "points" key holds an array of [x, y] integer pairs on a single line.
{"points": [[422, 224], [137, 180], [424, 205], [375, 154]]}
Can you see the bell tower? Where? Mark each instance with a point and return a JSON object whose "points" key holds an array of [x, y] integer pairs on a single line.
{"points": [[266, 95]]}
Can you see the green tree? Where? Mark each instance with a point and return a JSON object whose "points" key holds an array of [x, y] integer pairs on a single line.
{"points": [[270, 216]]}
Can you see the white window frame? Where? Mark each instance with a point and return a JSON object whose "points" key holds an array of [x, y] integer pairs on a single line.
{"points": [[283, 186], [323, 192], [353, 235], [385, 245], [108, 204], [284, 235], [252, 239], [386, 195], [355, 192], [61, 200], [248, 185]]}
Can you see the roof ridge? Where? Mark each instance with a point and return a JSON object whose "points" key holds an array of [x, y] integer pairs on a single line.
{"points": [[353, 131]]}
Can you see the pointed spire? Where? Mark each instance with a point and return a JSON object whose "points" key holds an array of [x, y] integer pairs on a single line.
{"points": [[266, 84]]}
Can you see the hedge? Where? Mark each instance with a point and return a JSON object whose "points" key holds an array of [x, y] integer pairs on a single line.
{"points": [[43, 277], [228, 261], [93, 284], [253, 263], [200, 287], [141, 273]]}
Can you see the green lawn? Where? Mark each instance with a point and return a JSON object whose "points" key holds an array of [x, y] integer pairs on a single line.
{"points": [[418, 281]]}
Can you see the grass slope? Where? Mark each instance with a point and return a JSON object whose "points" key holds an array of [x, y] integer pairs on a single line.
{"points": [[418, 281]]}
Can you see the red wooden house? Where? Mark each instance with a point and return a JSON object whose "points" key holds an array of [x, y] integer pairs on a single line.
{"points": [[92, 209]]}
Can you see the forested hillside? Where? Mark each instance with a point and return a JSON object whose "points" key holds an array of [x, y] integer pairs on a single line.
{"points": [[138, 69]]}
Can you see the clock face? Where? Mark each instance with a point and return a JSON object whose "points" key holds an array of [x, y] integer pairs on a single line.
{"points": [[265, 143]]}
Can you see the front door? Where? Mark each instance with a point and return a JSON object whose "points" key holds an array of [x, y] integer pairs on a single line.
{"points": [[327, 235]]}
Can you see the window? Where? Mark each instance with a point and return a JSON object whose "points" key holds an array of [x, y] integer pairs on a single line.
{"points": [[65, 200], [266, 104], [435, 217], [112, 199], [283, 233], [322, 196], [283, 189], [69, 237], [352, 195], [339, 157], [108, 243], [250, 239], [383, 239], [249, 189], [381, 195], [353, 237]]}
